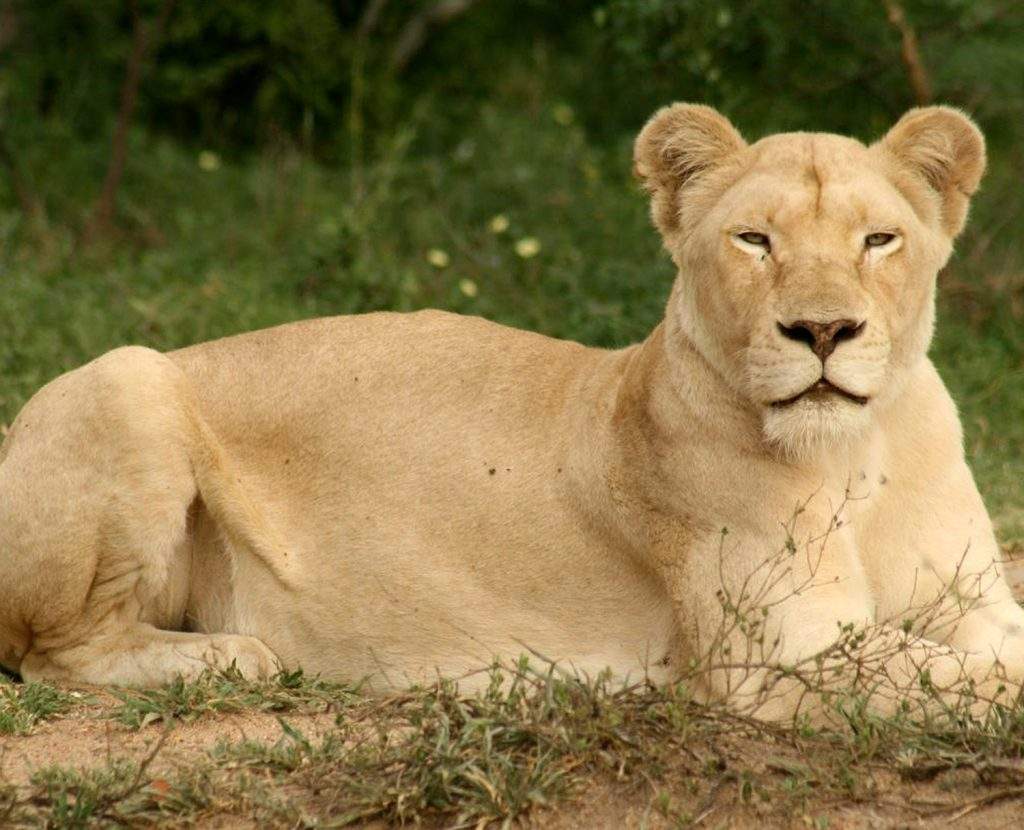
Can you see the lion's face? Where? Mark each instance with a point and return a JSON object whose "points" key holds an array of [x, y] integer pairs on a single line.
{"points": [[807, 262]]}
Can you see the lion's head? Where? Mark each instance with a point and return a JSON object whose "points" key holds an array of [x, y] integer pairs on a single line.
{"points": [[807, 261]]}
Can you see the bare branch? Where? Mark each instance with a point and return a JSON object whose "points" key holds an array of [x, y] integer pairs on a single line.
{"points": [[8, 23], [414, 33], [909, 52], [370, 17], [143, 39]]}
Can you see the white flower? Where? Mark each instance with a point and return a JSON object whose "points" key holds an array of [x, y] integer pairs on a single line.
{"points": [[468, 287], [498, 223], [438, 258], [527, 247]]}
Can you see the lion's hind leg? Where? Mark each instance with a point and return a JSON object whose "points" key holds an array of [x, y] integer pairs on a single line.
{"points": [[96, 486]]}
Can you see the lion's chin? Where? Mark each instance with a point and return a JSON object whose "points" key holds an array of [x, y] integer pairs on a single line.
{"points": [[815, 426]]}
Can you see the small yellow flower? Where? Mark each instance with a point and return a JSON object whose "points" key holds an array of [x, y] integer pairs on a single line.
{"points": [[527, 247], [209, 161], [498, 224], [563, 114], [438, 258], [468, 287]]}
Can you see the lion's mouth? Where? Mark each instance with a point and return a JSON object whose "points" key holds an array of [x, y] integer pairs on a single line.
{"points": [[821, 390]]}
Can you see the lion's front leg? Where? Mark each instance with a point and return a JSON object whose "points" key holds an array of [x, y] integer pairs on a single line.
{"points": [[793, 631], [975, 613], [795, 664], [755, 607], [934, 563], [143, 656]]}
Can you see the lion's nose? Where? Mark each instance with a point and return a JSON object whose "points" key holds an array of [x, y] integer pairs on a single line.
{"points": [[822, 337]]}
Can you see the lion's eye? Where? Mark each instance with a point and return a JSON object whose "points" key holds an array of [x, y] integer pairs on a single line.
{"points": [[877, 240], [759, 239]]}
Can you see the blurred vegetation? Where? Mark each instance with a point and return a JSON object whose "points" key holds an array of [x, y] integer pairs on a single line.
{"points": [[335, 156]]}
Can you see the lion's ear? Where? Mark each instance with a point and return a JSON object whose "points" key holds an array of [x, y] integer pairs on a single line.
{"points": [[944, 149], [676, 146]]}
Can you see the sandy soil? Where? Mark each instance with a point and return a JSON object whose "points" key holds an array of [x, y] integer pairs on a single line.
{"points": [[712, 799], [85, 738]]}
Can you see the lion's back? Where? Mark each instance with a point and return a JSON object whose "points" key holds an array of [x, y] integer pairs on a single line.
{"points": [[393, 367]]}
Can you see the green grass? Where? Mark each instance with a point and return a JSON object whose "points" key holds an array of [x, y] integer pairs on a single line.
{"points": [[79, 799], [227, 691], [23, 706]]}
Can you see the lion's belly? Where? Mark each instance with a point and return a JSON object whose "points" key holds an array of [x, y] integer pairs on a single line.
{"points": [[397, 608], [413, 627]]}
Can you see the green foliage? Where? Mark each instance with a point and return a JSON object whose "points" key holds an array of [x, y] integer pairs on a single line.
{"points": [[832, 65], [252, 67], [23, 706], [236, 73], [80, 799], [227, 691], [61, 60]]}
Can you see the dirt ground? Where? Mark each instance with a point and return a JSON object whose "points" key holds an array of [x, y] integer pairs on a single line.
{"points": [[956, 798]]}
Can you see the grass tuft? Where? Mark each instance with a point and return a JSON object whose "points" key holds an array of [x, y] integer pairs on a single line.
{"points": [[23, 706], [227, 691]]}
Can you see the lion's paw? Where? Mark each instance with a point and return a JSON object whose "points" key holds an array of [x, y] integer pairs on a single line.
{"points": [[248, 655]]}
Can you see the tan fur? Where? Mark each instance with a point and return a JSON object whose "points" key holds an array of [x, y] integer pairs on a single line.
{"points": [[384, 497]]}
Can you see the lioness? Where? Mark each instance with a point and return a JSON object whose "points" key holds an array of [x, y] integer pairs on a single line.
{"points": [[385, 497]]}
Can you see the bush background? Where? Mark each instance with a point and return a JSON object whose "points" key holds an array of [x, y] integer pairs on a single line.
{"points": [[286, 160]]}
